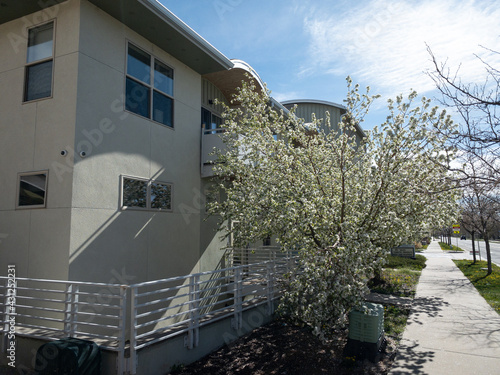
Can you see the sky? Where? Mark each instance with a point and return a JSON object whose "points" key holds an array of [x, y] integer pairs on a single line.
{"points": [[305, 49]]}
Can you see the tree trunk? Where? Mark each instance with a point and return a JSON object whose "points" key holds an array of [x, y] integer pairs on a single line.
{"points": [[488, 253], [473, 249]]}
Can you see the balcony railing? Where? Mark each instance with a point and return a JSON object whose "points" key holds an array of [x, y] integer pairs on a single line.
{"points": [[158, 310], [210, 140]]}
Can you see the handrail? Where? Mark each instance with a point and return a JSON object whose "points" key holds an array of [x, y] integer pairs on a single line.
{"points": [[158, 309]]}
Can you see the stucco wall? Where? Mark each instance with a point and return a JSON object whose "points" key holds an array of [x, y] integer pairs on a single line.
{"points": [[32, 136], [83, 234], [106, 241]]}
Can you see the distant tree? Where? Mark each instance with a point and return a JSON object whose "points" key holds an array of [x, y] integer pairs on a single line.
{"points": [[340, 205], [478, 106], [480, 207]]}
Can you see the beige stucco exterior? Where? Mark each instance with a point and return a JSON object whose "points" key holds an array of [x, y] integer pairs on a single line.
{"points": [[82, 234]]}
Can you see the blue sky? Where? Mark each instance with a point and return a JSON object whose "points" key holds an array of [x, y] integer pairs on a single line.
{"points": [[304, 49]]}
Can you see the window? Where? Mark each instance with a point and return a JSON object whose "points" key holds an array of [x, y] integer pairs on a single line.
{"points": [[39, 62], [146, 194], [32, 190], [149, 87], [210, 120]]}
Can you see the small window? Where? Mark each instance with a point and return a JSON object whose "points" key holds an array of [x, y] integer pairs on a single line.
{"points": [[149, 87], [266, 241], [146, 194], [32, 190], [210, 121], [39, 62]]}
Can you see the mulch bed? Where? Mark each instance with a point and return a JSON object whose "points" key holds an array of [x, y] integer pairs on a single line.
{"points": [[283, 349]]}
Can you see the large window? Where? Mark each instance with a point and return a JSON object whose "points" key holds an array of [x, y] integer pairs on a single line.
{"points": [[39, 62], [149, 87], [32, 190], [146, 194]]}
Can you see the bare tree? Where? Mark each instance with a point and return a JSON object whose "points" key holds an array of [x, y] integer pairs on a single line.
{"points": [[481, 208], [478, 105]]}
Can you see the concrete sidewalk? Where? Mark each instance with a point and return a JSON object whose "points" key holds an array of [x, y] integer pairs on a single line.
{"points": [[451, 328]]}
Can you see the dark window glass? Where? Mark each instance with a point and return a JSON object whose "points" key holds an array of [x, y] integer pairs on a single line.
{"points": [[163, 109], [149, 87], [137, 98], [139, 64], [206, 118], [38, 81], [38, 76], [32, 190], [135, 193], [216, 122], [161, 196], [163, 78]]}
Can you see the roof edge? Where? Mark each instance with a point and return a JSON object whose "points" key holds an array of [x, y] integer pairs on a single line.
{"points": [[314, 101], [163, 12]]}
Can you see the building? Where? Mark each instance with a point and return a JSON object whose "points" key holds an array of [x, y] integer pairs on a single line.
{"points": [[108, 115], [101, 136]]}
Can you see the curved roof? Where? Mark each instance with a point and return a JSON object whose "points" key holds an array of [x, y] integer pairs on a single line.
{"points": [[343, 109], [228, 80], [313, 101]]}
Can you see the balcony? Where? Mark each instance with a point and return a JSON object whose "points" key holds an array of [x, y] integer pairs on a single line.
{"points": [[210, 140]]}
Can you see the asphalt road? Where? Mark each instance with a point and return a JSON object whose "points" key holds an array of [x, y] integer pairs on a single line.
{"points": [[467, 246]]}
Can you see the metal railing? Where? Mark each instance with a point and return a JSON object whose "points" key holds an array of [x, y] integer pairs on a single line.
{"points": [[54, 309], [163, 309], [247, 255], [157, 311]]}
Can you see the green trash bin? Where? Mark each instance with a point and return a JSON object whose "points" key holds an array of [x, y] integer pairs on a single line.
{"points": [[69, 356], [366, 332]]}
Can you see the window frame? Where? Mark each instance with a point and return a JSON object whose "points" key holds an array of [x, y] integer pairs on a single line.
{"points": [[18, 190], [28, 65], [149, 182], [150, 86], [212, 115]]}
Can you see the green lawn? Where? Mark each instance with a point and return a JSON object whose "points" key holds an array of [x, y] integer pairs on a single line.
{"points": [[399, 277], [395, 318], [487, 285], [445, 246]]}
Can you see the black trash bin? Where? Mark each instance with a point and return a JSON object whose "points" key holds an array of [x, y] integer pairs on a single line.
{"points": [[69, 356]]}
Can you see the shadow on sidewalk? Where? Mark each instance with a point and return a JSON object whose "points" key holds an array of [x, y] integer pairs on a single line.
{"points": [[424, 308], [412, 360]]}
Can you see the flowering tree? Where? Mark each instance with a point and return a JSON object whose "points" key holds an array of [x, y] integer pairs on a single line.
{"points": [[341, 203]]}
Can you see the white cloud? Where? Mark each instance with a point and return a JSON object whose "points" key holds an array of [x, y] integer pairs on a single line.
{"points": [[282, 96], [383, 43]]}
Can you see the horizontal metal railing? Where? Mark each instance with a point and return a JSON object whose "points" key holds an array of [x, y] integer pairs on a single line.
{"points": [[54, 309], [157, 310], [163, 309]]}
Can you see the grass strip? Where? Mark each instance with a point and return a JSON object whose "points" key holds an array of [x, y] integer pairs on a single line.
{"points": [[445, 246], [399, 276], [487, 285]]}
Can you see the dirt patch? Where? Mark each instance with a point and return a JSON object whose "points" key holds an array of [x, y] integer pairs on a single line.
{"points": [[283, 349]]}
